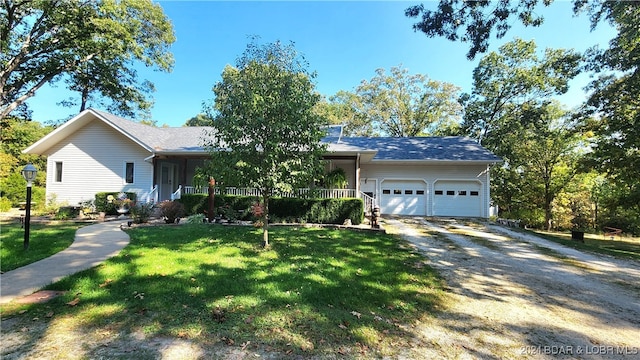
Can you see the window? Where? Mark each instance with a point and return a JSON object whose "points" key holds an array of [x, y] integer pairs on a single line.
{"points": [[419, 192], [397, 192], [462, 193], [474, 193], [386, 191], [128, 173], [439, 192], [408, 192], [451, 192], [58, 173]]}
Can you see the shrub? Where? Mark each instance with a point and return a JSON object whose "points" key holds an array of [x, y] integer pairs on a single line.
{"points": [[5, 204], [66, 213], [171, 211], [196, 219], [323, 211], [141, 212], [103, 204]]}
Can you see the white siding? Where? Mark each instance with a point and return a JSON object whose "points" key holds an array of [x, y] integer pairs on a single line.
{"points": [[93, 161], [430, 174]]}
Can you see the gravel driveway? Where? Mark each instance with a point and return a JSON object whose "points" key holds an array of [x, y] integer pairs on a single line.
{"points": [[519, 296]]}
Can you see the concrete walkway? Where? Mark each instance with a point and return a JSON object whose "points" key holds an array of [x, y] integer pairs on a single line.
{"points": [[92, 245]]}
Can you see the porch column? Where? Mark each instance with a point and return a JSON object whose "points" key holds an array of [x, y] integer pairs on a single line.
{"points": [[358, 175]]}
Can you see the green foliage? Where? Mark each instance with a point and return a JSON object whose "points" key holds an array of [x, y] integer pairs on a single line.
{"points": [[141, 212], [5, 204], [104, 204], [476, 22], [400, 104], [199, 120], [335, 179], [171, 211], [196, 219], [266, 133], [511, 113], [94, 43], [66, 213], [319, 211]]}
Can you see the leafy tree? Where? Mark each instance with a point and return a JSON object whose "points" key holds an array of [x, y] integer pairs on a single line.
{"points": [[91, 44], [266, 133], [510, 111], [342, 109], [199, 120], [476, 22], [18, 134], [613, 109], [400, 104], [507, 80]]}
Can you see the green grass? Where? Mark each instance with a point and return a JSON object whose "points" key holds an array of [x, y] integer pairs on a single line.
{"points": [[312, 292], [627, 248], [44, 241]]}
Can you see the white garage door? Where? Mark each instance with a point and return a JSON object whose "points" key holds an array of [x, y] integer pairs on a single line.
{"points": [[403, 197], [457, 198]]}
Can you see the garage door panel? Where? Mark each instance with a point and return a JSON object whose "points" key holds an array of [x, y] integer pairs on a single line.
{"points": [[403, 197], [457, 198]]}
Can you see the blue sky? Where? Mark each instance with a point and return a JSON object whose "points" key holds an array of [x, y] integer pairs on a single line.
{"points": [[344, 42]]}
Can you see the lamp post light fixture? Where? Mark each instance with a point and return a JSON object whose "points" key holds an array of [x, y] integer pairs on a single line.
{"points": [[29, 173]]}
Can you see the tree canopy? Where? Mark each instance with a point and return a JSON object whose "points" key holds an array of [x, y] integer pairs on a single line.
{"points": [[475, 22], [266, 133], [92, 45], [397, 104]]}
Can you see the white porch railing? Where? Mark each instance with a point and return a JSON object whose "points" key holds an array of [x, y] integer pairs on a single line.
{"points": [[305, 192], [177, 194], [153, 195], [369, 202]]}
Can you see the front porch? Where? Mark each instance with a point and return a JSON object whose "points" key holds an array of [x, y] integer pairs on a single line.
{"points": [[318, 193]]}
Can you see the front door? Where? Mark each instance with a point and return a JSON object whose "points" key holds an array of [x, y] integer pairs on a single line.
{"points": [[167, 181]]}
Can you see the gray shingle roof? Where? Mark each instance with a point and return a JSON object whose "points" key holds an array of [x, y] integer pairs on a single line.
{"points": [[449, 148], [190, 139], [162, 139]]}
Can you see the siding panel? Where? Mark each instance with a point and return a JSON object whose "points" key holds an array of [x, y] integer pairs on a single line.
{"points": [[94, 161]]}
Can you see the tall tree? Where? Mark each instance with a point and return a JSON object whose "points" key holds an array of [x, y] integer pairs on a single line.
{"points": [[401, 104], [505, 81], [510, 111], [343, 109], [199, 120], [266, 133], [91, 44]]}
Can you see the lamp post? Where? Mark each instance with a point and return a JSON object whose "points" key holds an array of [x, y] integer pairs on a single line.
{"points": [[29, 173]]}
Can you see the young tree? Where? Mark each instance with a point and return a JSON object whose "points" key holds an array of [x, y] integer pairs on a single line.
{"points": [[266, 133], [91, 44]]}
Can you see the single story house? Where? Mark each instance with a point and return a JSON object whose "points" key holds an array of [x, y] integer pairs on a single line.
{"points": [[96, 151]]}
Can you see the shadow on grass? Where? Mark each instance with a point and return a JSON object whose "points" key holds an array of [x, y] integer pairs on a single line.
{"points": [[315, 291]]}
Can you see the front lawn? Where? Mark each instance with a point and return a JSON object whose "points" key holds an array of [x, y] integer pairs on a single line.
{"points": [[44, 241], [314, 292]]}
